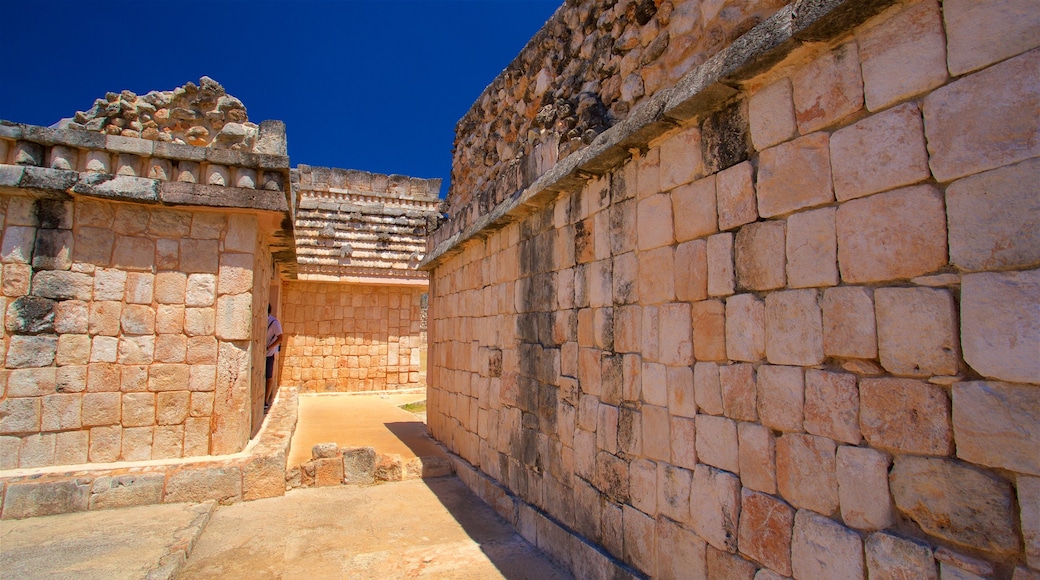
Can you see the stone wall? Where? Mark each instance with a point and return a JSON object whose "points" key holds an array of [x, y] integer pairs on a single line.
{"points": [[585, 71], [355, 226], [203, 115], [352, 337], [132, 274], [782, 322]]}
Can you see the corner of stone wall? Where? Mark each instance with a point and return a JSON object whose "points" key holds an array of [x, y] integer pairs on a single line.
{"points": [[257, 473]]}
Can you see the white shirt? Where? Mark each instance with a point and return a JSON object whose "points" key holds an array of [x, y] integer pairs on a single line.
{"points": [[274, 330]]}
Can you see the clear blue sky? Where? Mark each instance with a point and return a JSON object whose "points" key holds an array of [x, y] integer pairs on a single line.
{"points": [[373, 85]]}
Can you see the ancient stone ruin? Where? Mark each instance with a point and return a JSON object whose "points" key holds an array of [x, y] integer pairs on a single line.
{"points": [[725, 290], [749, 290]]}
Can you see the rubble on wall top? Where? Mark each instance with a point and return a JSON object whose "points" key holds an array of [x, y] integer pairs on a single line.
{"points": [[203, 115]]}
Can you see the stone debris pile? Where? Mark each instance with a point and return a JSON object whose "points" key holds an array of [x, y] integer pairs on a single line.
{"points": [[203, 115]]}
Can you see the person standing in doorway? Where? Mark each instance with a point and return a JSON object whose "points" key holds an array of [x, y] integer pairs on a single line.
{"points": [[274, 342]]}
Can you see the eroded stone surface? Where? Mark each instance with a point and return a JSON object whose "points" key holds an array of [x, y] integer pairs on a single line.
{"points": [[955, 502], [822, 548], [1000, 334], [998, 425]]}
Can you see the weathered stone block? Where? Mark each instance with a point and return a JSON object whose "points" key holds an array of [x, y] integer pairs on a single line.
{"points": [[771, 113], [917, 331], [234, 317], [759, 255], [200, 290], [693, 207], [849, 326], [642, 485], [709, 330], [101, 409], [955, 502], [737, 384], [725, 565], [890, 556], [881, 152], [53, 250], [795, 175], [235, 274], [812, 249], [654, 221], [1029, 516], [976, 123], [656, 433], [640, 539], [903, 56], [832, 405], [31, 351], [717, 442], [1000, 332], [683, 440], [720, 265], [680, 553], [110, 492], [794, 328], [993, 218], [19, 416], [745, 328], [806, 472], [105, 443], [197, 484], [61, 412], [37, 450], [18, 245], [140, 288], [735, 194], [656, 279], [691, 271], [905, 415], [828, 89], [757, 457], [675, 342], [706, 388], [16, 279], [978, 35], [766, 524], [30, 315], [137, 319], [33, 499], [673, 492], [680, 158], [62, 285], [781, 393], [73, 349], [893, 235], [70, 447], [199, 255], [715, 503], [822, 548], [33, 382], [863, 488], [998, 425]]}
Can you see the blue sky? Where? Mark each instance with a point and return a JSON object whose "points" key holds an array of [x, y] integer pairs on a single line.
{"points": [[373, 85]]}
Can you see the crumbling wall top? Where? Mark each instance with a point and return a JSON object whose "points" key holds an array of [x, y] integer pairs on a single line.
{"points": [[203, 115]]}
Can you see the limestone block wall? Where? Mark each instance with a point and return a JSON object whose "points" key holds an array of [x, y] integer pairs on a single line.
{"points": [[127, 332], [783, 323], [352, 337], [133, 271], [585, 71]]}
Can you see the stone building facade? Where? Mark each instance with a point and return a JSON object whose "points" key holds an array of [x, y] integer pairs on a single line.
{"points": [[769, 308], [142, 243], [354, 318], [131, 268]]}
